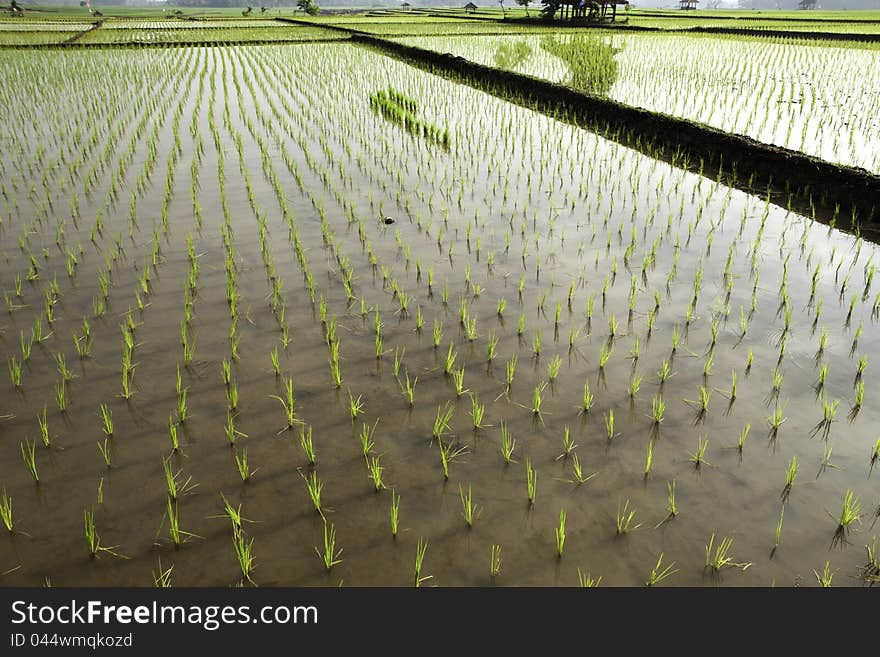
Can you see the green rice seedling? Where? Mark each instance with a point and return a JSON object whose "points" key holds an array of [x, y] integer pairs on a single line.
{"points": [[491, 347], [521, 325], [314, 487], [553, 367], [495, 560], [875, 454], [850, 513], [177, 535], [442, 419], [366, 438], [665, 371], [182, 410], [458, 379], [470, 511], [172, 432], [749, 358], [604, 355], [408, 389], [162, 576], [625, 519], [742, 437], [173, 482], [659, 572], [478, 410], [675, 338], [536, 344], [421, 549], [28, 455], [329, 556], [510, 370], [776, 419], [244, 554], [649, 458], [502, 304], [288, 402], [226, 371], [15, 371], [721, 557], [671, 508], [871, 570], [26, 346], [107, 419], [698, 457], [560, 534], [790, 475], [375, 471], [43, 423], [105, 449], [568, 446], [634, 385], [577, 471], [6, 511], [273, 356], [531, 482], [232, 434], [609, 424], [93, 539], [437, 334], [707, 365], [398, 359], [779, 528], [859, 396], [588, 398], [306, 443], [536, 398], [450, 360], [508, 443], [658, 407], [395, 513], [448, 453], [587, 581], [241, 464], [824, 578]]}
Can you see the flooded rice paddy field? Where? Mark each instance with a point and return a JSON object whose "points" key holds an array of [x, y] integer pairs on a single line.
{"points": [[807, 96], [246, 257]]}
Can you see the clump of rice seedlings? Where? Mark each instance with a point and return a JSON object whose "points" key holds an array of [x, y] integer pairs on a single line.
{"points": [[707, 365], [442, 420], [568, 446], [790, 474], [870, 572], [61, 396], [536, 344], [824, 578], [634, 385], [536, 398], [307, 445], [395, 513], [850, 513], [531, 482], [458, 379], [659, 572], [470, 511], [664, 372], [553, 367], [450, 360], [649, 457], [776, 419], [107, 420], [173, 483], [560, 534], [421, 550], [273, 357], [63, 370], [244, 554], [609, 424], [604, 355], [162, 576], [587, 581], [43, 424], [288, 402], [779, 528], [875, 454], [408, 389], [355, 406], [93, 539], [181, 404], [742, 437], [437, 335], [658, 408], [448, 453], [508, 443], [858, 398], [749, 358], [626, 518], [491, 347], [177, 535], [494, 560], [28, 455], [241, 464], [329, 556], [478, 410], [314, 487], [577, 471], [172, 432], [105, 449], [232, 434], [6, 511], [510, 370], [721, 557], [366, 438], [375, 470], [698, 457], [588, 398]]}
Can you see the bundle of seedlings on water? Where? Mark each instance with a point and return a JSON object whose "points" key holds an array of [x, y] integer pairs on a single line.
{"points": [[421, 550], [395, 513], [329, 555], [448, 453], [442, 420], [625, 519], [494, 560], [531, 482], [587, 581], [470, 511], [659, 572]]}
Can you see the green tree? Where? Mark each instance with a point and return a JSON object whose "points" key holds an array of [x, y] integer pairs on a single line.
{"points": [[308, 6]]}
